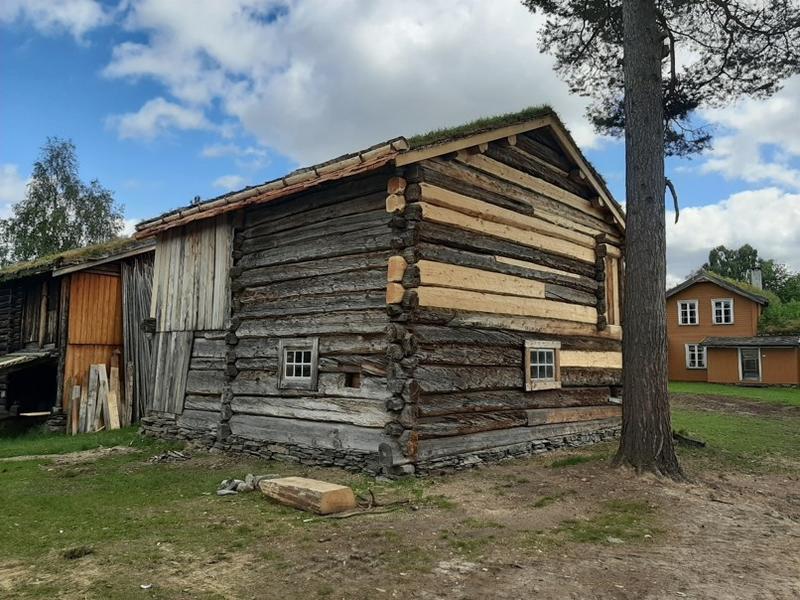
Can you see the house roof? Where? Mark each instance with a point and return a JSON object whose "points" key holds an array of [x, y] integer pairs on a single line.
{"points": [[755, 341], [398, 151], [76, 259], [731, 286]]}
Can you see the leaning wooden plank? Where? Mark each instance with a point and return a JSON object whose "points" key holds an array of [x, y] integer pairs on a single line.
{"points": [[547, 416], [113, 399], [102, 399], [437, 214], [453, 276], [75, 409], [91, 409], [312, 495], [505, 305]]}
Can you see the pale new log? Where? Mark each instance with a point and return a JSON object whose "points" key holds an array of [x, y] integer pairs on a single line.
{"points": [[438, 214], [505, 305], [589, 358], [547, 416], [453, 276], [394, 293], [395, 203], [319, 497], [397, 267], [484, 210]]}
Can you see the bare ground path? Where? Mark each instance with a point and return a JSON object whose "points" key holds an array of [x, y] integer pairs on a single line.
{"points": [[563, 525]]}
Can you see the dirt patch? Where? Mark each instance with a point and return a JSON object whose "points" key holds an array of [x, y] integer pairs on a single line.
{"points": [[731, 405], [72, 458]]}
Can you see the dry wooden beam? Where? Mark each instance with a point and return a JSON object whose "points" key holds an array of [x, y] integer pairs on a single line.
{"points": [[591, 359], [547, 416], [395, 203], [505, 305], [394, 293], [320, 497], [453, 276]]}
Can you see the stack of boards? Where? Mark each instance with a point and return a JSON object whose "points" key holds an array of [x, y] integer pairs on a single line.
{"points": [[97, 405]]}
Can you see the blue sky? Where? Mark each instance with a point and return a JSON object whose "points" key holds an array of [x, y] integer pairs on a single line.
{"points": [[165, 102]]}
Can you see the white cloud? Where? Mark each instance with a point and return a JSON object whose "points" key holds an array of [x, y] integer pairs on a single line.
{"points": [[155, 117], [250, 157], [750, 129], [12, 188], [76, 17], [768, 219], [229, 182], [129, 226], [317, 78]]}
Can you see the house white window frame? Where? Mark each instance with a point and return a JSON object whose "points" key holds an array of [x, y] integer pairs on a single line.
{"points": [[294, 382], [714, 311], [688, 354], [760, 366], [696, 305], [533, 384]]}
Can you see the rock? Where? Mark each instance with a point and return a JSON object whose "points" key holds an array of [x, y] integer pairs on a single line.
{"points": [[227, 492], [614, 540]]}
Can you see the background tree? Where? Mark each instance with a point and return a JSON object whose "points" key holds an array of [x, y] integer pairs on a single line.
{"points": [[737, 263], [59, 211], [648, 65]]}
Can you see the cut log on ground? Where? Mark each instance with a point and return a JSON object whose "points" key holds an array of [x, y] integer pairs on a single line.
{"points": [[311, 495]]}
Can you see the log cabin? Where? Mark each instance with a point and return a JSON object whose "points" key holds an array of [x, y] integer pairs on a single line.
{"points": [[712, 331], [63, 313], [423, 304]]}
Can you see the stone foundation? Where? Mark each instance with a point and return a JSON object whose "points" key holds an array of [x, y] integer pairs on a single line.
{"points": [[167, 426], [492, 455]]}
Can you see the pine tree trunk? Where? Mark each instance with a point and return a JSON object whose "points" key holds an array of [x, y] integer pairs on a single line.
{"points": [[646, 442]]}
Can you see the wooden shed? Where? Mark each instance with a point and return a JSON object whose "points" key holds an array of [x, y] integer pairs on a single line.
{"points": [[425, 303], [61, 314]]}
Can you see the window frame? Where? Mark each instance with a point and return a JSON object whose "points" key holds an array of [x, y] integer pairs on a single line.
{"points": [[531, 384], [687, 354], [714, 311], [696, 304], [304, 345]]}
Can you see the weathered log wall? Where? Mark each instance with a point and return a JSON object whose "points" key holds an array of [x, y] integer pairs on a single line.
{"points": [[501, 244], [313, 266]]}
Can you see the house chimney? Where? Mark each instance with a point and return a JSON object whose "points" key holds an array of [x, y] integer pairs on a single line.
{"points": [[755, 278]]}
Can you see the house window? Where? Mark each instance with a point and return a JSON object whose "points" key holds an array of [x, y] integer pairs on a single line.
{"points": [[298, 363], [542, 369], [687, 312], [723, 311], [695, 356]]}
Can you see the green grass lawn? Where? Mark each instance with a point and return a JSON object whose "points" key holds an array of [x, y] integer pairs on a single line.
{"points": [[771, 395], [742, 441], [39, 442]]}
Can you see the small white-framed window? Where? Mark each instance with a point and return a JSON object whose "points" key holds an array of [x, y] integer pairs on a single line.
{"points": [[722, 311], [542, 365], [695, 356], [687, 312], [298, 363]]}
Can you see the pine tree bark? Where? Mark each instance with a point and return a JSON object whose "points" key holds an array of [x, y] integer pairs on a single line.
{"points": [[646, 442]]}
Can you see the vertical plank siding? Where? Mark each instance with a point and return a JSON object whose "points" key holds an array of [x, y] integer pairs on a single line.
{"points": [[190, 276], [190, 300], [94, 330], [137, 282]]}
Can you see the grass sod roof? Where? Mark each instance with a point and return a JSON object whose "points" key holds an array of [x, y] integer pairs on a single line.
{"points": [[480, 125], [74, 256], [397, 146]]}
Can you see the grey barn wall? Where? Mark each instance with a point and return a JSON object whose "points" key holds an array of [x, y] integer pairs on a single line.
{"points": [[311, 266]]}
